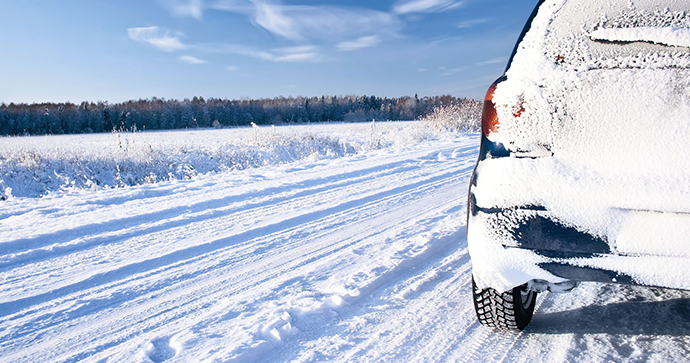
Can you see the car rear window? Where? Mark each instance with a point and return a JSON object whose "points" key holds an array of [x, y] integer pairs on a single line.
{"points": [[587, 34]]}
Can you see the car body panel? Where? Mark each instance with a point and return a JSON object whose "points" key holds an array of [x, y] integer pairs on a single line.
{"points": [[587, 176]]}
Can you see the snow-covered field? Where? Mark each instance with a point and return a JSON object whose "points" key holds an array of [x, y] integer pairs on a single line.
{"points": [[353, 252], [36, 166]]}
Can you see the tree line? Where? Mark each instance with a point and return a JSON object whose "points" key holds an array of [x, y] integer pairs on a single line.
{"points": [[162, 114]]}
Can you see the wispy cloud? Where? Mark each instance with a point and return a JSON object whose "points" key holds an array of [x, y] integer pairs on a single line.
{"points": [[472, 22], [450, 72], [193, 8], [307, 53], [437, 42], [159, 38], [196, 8], [297, 57], [234, 49], [238, 6], [496, 60], [344, 28], [231, 68], [163, 40], [303, 53], [273, 18], [192, 60], [299, 23], [362, 42], [425, 6]]}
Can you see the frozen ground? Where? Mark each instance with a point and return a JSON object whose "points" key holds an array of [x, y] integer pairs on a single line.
{"points": [[346, 258]]}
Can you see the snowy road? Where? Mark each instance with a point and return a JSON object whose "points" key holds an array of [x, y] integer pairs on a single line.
{"points": [[355, 259]]}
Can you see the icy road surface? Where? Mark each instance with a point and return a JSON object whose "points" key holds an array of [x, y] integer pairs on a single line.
{"points": [[353, 259]]}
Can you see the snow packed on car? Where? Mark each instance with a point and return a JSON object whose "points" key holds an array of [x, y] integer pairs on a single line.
{"points": [[583, 172]]}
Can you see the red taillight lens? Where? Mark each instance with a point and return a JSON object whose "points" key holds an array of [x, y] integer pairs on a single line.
{"points": [[489, 115]]}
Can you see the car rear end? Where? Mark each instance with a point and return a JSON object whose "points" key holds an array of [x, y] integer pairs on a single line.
{"points": [[584, 173]]}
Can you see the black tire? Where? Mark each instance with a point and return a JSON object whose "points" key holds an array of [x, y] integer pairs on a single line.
{"points": [[511, 310]]}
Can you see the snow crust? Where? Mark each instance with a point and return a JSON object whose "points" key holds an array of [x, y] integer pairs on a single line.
{"points": [[614, 121]]}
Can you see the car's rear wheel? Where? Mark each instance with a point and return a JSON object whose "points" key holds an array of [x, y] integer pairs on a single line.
{"points": [[511, 310]]}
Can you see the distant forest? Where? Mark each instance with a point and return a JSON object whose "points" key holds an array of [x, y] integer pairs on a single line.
{"points": [[161, 114]]}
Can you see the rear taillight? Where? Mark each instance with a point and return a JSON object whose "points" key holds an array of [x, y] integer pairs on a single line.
{"points": [[489, 115]]}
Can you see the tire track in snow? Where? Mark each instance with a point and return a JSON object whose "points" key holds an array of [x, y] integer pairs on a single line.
{"points": [[8, 308], [262, 210], [72, 240], [489, 345], [255, 286], [406, 316], [390, 195]]}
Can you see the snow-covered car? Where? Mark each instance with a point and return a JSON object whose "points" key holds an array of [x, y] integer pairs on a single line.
{"points": [[584, 166]]}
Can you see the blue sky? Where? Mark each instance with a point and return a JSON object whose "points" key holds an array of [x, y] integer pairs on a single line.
{"points": [[117, 50]]}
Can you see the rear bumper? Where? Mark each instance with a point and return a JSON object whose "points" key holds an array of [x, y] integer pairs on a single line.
{"points": [[535, 217], [510, 247]]}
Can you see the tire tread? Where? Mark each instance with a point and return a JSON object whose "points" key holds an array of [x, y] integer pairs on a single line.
{"points": [[499, 310]]}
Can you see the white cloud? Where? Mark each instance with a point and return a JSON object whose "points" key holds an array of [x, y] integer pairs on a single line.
{"points": [[238, 6], [303, 53], [425, 6], [453, 71], [496, 60], [193, 8], [301, 23], [235, 49], [272, 18], [192, 60], [306, 53], [362, 42], [298, 57], [297, 49], [159, 38], [231, 68], [421, 70], [470, 23]]}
